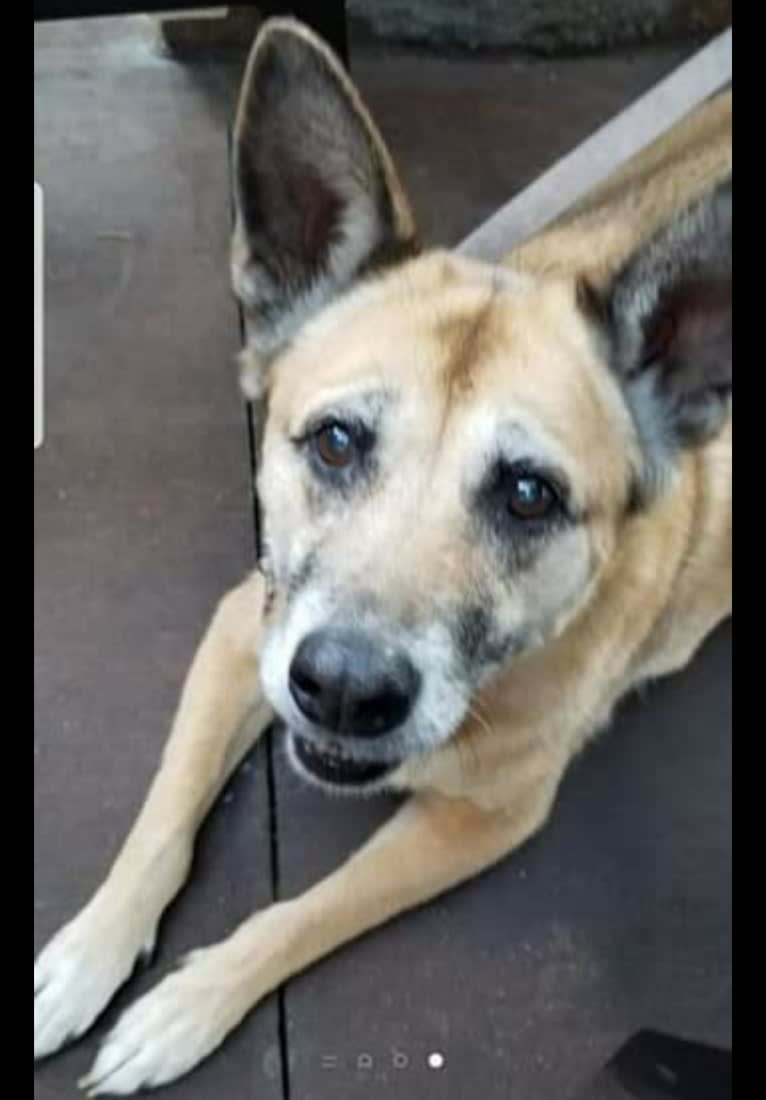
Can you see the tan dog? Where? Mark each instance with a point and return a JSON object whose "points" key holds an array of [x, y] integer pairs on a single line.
{"points": [[496, 499]]}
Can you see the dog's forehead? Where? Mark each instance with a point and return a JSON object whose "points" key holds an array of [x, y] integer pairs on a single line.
{"points": [[439, 320], [473, 347]]}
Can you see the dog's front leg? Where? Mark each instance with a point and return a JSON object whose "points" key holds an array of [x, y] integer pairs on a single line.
{"points": [[221, 712], [430, 845]]}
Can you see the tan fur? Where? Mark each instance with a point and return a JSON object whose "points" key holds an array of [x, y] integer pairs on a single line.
{"points": [[446, 331]]}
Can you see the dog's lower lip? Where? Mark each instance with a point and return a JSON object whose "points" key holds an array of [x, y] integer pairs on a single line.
{"points": [[332, 765]]}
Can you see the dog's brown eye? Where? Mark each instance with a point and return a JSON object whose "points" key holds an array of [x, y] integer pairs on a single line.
{"points": [[530, 497], [334, 445]]}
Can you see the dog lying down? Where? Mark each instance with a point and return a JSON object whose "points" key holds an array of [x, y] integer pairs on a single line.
{"points": [[496, 499]]}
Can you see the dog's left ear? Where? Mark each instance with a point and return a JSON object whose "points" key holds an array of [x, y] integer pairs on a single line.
{"points": [[668, 316], [317, 196]]}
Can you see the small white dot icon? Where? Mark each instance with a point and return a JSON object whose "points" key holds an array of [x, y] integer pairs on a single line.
{"points": [[436, 1060]]}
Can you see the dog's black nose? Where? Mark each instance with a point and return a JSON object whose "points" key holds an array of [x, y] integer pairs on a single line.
{"points": [[342, 681]]}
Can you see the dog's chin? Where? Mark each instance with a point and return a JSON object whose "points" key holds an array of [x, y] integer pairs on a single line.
{"points": [[332, 768]]}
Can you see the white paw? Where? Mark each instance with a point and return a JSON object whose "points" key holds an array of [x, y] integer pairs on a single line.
{"points": [[171, 1029], [80, 970]]}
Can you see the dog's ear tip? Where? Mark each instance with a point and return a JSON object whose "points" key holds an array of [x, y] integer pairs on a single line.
{"points": [[288, 36], [275, 25]]}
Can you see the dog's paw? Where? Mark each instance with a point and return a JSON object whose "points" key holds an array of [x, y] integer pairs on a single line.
{"points": [[80, 970], [171, 1029]]}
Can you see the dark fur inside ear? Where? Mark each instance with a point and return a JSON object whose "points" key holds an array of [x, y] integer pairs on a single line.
{"points": [[668, 318], [317, 198]]}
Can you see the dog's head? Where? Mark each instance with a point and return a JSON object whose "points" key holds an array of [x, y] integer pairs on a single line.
{"points": [[452, 450]]}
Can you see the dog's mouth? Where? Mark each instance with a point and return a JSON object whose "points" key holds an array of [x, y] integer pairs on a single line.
{"points": [[332, 764]]}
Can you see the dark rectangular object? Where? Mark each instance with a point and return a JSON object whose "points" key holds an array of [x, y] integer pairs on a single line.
{"points": [[87, 9], [654, 1066], [328, 19]]}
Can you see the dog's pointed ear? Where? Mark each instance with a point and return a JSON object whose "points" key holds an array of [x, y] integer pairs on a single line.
{"points": [[668, 314], [317, 196]]}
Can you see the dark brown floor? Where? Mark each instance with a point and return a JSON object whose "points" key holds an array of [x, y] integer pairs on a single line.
{"points": [[618, 916]]}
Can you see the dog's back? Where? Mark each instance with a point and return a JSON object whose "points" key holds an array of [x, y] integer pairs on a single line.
{"points": [[595, 237]]}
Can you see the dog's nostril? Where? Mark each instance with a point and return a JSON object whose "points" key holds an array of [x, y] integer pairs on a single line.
{"points": [[380, 712], [305, 683]]}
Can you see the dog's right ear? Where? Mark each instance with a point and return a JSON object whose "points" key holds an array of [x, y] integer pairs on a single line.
{"points": [[317, 197], [668, 315]]}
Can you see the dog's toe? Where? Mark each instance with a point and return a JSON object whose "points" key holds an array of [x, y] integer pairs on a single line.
{"points": [[68, 994], [78, 973], [167, 1032], [171, 1030]]}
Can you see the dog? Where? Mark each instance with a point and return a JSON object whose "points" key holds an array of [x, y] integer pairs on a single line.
{"points": [[496, 500]]}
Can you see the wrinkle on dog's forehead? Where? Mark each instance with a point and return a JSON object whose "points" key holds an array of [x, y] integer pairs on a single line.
{"points": [[467, 338]]}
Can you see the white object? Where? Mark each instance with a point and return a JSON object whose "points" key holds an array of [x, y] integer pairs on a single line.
{"points": [[38, 315]]}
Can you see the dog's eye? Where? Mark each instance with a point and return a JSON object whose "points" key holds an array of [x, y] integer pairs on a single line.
{"points": [[530, 497], [334, 444]]}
